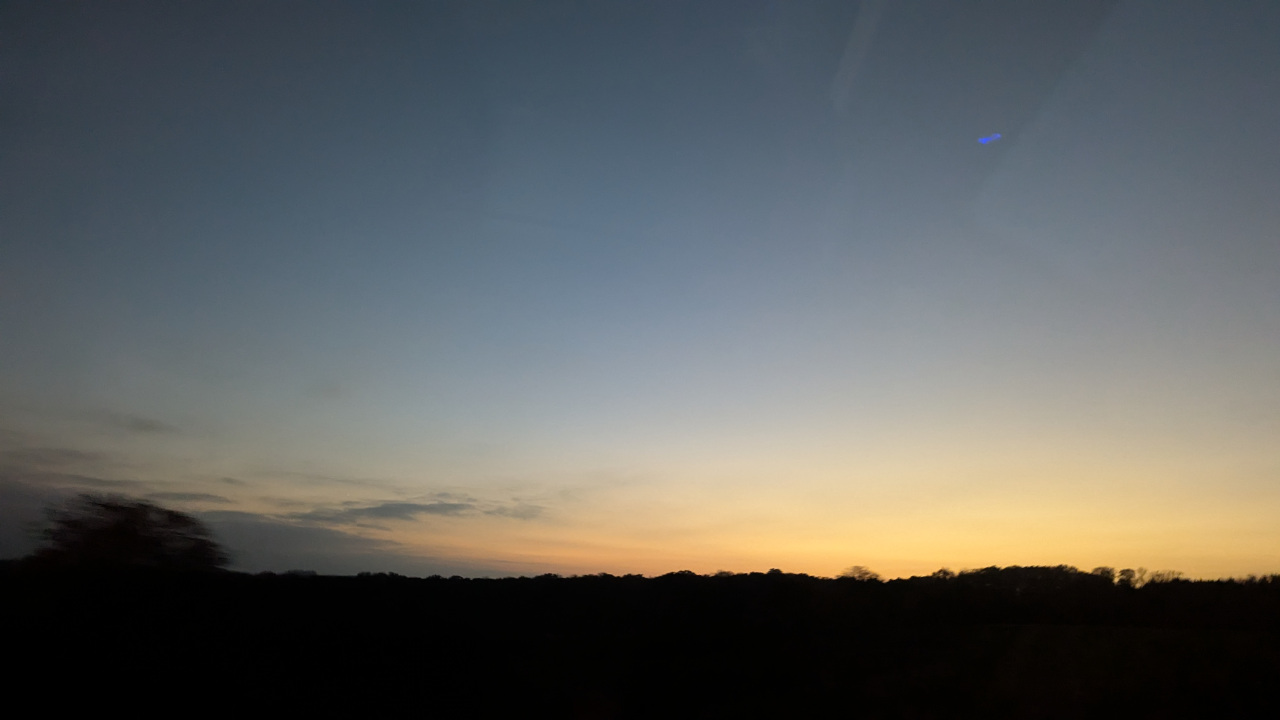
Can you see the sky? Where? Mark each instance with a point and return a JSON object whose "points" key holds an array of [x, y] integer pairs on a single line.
{"points": [[514, 288]]}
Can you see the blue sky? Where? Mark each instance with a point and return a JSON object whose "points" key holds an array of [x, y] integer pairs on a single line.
{"points": [[583, 287]]}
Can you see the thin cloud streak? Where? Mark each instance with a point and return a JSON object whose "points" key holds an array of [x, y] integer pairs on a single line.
{"points": [[189, 497], [855, 52], [385, 511], [138, 425], [46, 457]]}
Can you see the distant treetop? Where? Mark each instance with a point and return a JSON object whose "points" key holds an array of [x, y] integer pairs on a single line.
{"points": [[861, 572]]}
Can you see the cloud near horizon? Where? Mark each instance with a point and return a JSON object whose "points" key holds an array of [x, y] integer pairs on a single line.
{"points": [[189, 497], [412, 511], [384, 511], [259, 543]]}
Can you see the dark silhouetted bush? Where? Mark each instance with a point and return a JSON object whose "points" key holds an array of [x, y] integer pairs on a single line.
{"points": [[101, 531]]}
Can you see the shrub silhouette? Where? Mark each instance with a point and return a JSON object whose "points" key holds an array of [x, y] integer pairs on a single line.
{"points": [[105, 531]]}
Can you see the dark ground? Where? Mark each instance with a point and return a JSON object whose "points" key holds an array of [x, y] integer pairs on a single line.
{"points": [[1012, 642]]}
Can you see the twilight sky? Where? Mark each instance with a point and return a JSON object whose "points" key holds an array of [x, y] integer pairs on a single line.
{"points": [[512, 288]]}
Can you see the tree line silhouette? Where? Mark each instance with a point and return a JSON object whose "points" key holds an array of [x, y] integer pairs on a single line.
{"points": [[1011, 641]]}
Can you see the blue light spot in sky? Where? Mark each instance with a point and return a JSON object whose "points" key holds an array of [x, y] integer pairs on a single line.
{"points": [[991, 138]]}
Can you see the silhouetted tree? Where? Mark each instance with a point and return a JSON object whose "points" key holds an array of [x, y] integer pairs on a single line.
{"points": [[1103, 571], [1129, 577], [94, 530], [861, 572]]}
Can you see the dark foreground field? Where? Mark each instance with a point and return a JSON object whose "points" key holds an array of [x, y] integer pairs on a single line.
{"points": [[1012, 642]]}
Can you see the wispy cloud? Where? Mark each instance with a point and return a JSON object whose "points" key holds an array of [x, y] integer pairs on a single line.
{"points": [[259, 542], [137, 424], [39, 458], [88, 481], [64, 480], [520, 511], [320, 479], [188, 497], [855, 51], [384, 511], [61, 468]]}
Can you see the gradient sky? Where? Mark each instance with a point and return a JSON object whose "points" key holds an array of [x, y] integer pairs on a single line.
{"points": [[518, 288]]}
